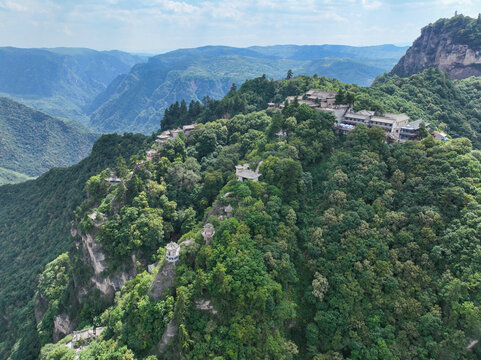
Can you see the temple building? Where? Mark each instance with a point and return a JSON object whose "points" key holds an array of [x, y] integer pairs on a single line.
{"points": [[172, 134], [173, 251], [440, 136], [188, 129], [150, 154], [411, 131], [243, 172]]}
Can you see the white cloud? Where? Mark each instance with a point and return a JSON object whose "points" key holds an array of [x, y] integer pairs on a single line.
{"points": [[12, 5], [177, 6], [455, 2], [148, 24], [371, 4]]}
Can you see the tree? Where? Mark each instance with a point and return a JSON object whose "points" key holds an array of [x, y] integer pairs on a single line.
{"points": [[289, 74], [423, 132], [320, 285], [290, 125], [340, 97], [349, 98]]}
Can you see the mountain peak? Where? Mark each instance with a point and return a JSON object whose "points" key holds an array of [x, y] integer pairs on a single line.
{"points": [[452, 45]]}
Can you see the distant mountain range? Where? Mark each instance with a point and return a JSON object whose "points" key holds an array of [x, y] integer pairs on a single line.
{"points": [[113, 91], [136, 101], [60, 81], [32, 142]]}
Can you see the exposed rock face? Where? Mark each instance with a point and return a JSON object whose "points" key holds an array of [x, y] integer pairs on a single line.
{"points": [[95, 257], [41, 305], [61, 327], [205, 305], [439, 46], [94, 253], [164, 279], [170, 333]]}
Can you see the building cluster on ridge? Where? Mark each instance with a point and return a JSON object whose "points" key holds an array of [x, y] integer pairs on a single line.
{"points": [[172, 134], [397, 127]]}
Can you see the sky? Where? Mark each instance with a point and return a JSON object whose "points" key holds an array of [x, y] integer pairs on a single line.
{"points": [[155, 26]]}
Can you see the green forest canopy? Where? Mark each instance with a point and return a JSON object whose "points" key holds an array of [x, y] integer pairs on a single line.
{"points": [[347, 247]]}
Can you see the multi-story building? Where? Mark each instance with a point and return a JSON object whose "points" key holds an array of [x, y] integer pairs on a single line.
{"points": [[411, 131], [390, 123]]}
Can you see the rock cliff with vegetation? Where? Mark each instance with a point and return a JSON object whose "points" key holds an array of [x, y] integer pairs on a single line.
{"points": [[35, 219], [452, 45]]}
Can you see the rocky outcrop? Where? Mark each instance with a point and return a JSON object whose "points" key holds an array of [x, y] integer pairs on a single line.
{"points": [[440, 46], [93, 253], [61, 326], [94, 256], [164, 279], [41, 305], [205, 305], [169, 333]]}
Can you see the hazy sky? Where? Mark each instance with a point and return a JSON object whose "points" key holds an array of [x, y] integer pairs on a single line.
{"points": [[160, 25]]}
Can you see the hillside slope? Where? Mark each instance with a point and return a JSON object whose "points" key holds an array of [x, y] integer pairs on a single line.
{"points": [[453, 45], [12, 177], [33, 142], [346, 248], [60, 81], [136, 101], [35, 227]]}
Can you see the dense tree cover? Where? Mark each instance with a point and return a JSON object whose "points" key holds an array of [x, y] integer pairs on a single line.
{"points": [[466, 30], [35, 228], [136, 320], [395, 243], [169, 196], [34, 142], [52, 289], [12, 177], [347, 248], [177, 115]]}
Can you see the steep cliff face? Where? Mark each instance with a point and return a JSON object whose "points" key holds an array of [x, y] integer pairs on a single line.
{"points": [[93, 255], [452, 45], [56, 312]]}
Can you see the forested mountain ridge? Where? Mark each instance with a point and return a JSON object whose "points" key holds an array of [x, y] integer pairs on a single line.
{"points": [[34, 228], [347, 248], [60, 81], [287, 253], [136, 101], [453, 45], [32, 142], [450, 105]]}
